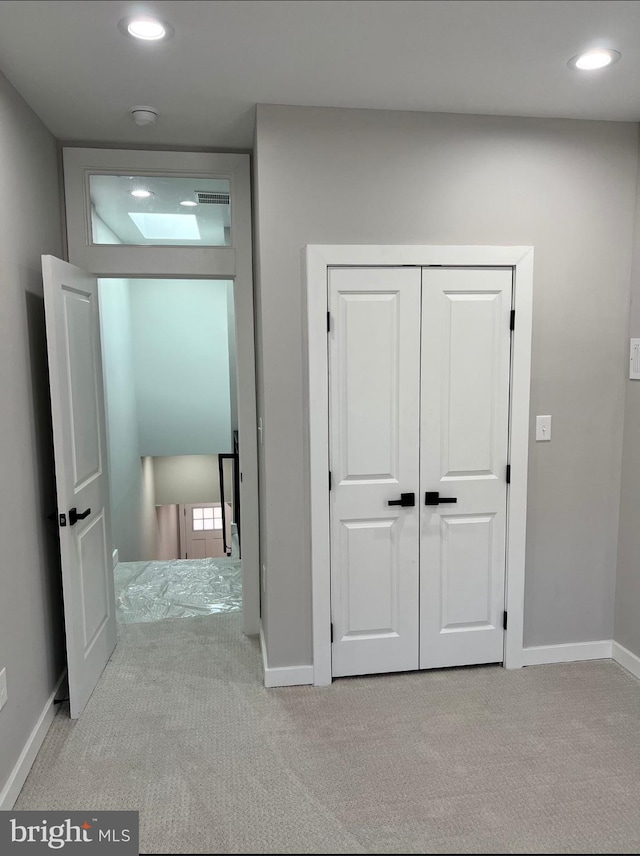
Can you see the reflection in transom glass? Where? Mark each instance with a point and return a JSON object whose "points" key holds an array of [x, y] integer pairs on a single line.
{"points": [[160, 211]]}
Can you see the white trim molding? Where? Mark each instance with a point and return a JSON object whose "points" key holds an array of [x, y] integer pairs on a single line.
{"points": [[570, 652], [283, 676], [316, 261], [627, 659], [18, 776]]}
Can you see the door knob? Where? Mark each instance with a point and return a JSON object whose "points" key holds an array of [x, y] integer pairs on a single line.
{"points": [[432, 497], [406, 500], [74, 515]]}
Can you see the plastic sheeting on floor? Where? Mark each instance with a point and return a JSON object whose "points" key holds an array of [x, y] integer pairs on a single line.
{"points": [[183, 588]]}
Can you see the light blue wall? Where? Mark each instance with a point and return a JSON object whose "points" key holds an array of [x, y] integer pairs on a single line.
{"points": [[132, 509], [181, 366]]}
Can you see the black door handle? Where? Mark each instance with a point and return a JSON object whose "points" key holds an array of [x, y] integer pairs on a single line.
{"points": [[74, 516], [432, 497], [406, 500]]}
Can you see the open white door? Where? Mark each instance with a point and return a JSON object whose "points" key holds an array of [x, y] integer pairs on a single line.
{"points": [[79, 439]]}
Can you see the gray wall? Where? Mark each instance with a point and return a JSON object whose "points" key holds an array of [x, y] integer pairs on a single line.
{"points": [[31, 641], [133, 521], [191, 478], [260, 381], [566, 187], [168, 532], [627, 621]]}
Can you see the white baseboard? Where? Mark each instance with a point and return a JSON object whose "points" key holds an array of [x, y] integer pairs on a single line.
{"points": [[284, 676], [115, 557], [570, 652], [18, 776], [627, 659]]}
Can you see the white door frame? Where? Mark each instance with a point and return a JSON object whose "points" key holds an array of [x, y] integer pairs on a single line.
{"points": [[316, 260], [226, 263]]}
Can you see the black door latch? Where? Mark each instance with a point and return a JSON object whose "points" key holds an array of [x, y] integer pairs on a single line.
{"points": [[432, 497], [74, 515], [406, 500]]}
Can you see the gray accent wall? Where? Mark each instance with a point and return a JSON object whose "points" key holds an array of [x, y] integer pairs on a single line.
{"points": [[627, 621], [31, 635], [191, 478], [567, 188]]}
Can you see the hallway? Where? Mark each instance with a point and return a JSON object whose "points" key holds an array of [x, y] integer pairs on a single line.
{"points": [[483, 759]]}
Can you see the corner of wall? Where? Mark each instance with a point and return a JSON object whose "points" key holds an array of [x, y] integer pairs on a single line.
{"points": [[627, 589]]}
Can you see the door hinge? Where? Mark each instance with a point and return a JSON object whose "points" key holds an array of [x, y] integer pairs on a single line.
{"points": [[504, 619], [184, 511], [328, 322], [329, 479], [512, 320], [508, 473], [332, 632]]}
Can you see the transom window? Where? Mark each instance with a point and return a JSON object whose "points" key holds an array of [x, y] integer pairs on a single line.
{"points": [[160, 210]]}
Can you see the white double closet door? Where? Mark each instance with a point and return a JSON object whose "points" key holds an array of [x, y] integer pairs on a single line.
{"points": [[419, 364]]}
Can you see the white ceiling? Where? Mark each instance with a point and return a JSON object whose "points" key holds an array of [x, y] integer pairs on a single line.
{"points": [[82, 75]]}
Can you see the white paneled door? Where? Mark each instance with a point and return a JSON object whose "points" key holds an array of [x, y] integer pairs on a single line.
{"points": [[79, 439], [374, 371], [466, 344], [419, 362]]}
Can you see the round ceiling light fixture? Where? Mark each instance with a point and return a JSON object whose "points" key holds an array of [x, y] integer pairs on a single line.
{"points": [[143, 114], [188, 203], [146, 28], [141, 193], [593, 60]]}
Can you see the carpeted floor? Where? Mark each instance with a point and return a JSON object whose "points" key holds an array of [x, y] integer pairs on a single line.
{"points": [[478, 760]]}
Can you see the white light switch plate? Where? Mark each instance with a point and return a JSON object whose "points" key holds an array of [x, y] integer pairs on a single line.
{"points": [[543, 429], [3, 688], [634, 359]]}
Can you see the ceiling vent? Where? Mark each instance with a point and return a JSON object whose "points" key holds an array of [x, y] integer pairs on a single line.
{"points": [[207, 198]]}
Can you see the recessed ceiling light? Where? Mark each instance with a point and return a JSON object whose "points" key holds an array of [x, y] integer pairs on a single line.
{"points": [[146, 28], [594, 59], [141, 194], [188, 203]]}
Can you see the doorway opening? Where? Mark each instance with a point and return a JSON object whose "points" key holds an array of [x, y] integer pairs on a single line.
{"points": [[171, 401]]}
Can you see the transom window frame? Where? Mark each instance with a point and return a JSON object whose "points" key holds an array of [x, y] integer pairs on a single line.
{"points": [[130, 260]]}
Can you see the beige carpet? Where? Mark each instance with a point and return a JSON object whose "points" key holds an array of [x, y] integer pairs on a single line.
{"points": [[546, 759]]}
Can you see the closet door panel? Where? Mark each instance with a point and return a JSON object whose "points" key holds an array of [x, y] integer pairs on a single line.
{"points": [[374, 400], [466, 343]]}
